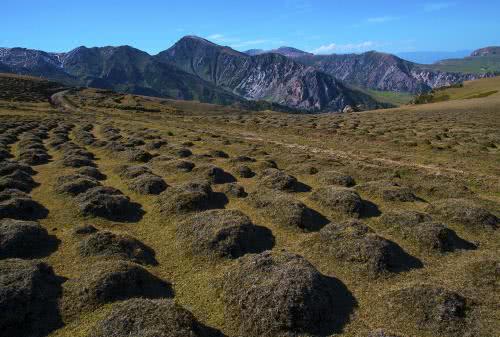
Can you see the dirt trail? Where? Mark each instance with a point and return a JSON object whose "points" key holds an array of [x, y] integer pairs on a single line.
{"points": [[61, 103]]}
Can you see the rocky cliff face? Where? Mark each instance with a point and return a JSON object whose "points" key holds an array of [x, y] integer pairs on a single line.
{"points": [[269, 76], [382, 71]]}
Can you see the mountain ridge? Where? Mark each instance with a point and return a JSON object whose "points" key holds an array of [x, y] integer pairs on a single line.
{"points": [[195, 68], [267, 76]]}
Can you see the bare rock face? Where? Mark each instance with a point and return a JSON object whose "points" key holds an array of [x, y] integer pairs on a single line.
{"points": [[269, 76], [382, 71]]}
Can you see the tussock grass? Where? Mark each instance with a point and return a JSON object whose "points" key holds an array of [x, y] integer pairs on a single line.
{"points": [[440, 151]]}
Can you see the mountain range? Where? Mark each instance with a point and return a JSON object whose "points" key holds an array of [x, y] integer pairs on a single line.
{"points": [[197, 69]]}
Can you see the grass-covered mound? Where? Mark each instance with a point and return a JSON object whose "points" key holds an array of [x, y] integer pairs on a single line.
{"points": [[110, 281], [224, 233], [358, 246], [431, 310], [464, 212], [151, 318], [107, 244], [24, 239], [29, 293], [282, 294], [286, 211]]}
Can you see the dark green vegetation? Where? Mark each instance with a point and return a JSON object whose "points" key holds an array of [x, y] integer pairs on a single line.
{"points": [[149, 217]]}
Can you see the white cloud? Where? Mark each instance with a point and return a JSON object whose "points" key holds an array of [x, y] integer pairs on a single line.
{"points": [[437, 6], [235, 42], [382, 19], [215, 37], [345, 48], [250, 43]]}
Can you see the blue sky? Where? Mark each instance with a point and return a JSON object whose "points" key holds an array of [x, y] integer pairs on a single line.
{"points": [[320, 26]]}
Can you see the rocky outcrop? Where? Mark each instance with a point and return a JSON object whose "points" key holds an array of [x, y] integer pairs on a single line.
{"points": [[385, 72], [272, 77]]}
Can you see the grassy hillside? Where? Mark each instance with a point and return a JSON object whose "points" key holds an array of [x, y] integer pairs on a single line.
{"points": [[470, 90], [393, 214], [391, 97], [476, 64]]}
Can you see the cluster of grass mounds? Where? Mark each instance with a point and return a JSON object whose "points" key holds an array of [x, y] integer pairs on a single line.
{"points": [[91, 172], [60, 135], [388, 191], [282, 294], [419, 228], [243, 159], [29, 292], [224, 233], [341, 200], [155, 144], [439, 186], [168, 165], [23, 89], [74, 184], [107, 244], [336, 178], [359, 246], [213, 174], [113, 146], [186, 198], [84, 135], [15, 175], [244, 171], [110, 281], [111, 133], [234, 190], [109, 203], [278, 180], [286, 211], [430, 310], [24, 239], [148, 184], [133, 142], [182, 152], [142, 180], [75, 156], [218, 154], [16, 204], [136, 155], [464, 212], [151, 317], [32, 151]]}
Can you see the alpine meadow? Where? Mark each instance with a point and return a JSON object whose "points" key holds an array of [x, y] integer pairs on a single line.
{"points": [[294, 168]]}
